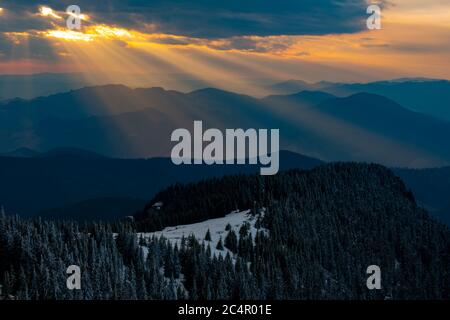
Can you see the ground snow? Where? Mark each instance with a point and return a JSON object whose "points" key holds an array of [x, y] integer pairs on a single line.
{"points": [[216, 227]]}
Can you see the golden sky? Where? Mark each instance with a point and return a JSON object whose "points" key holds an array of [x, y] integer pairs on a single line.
{"points": [[413, 42]]}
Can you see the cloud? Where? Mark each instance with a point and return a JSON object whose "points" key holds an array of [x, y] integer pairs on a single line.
{"points": [[210, 18], [420, 48], [270, 44], [18, 46], [18, 19]]}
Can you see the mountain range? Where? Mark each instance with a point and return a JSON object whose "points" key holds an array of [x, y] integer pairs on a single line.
{"points": [[429, 96], [108, 145], [121, 122]]}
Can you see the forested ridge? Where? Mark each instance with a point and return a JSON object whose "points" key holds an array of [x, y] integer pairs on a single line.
{"points": [[320, 230], [216, 197]]}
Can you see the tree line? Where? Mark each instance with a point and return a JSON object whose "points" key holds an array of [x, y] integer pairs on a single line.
{"points": [[318, 231]]}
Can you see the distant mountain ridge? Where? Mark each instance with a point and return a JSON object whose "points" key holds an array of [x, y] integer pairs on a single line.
{"points": [[121, 122], [65, 181], [304, 97], [429, 96], [21, 153], [56, 152], [29, 86]]}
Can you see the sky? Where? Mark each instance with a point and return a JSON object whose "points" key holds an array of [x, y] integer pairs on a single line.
{"points": [[227, 43]]}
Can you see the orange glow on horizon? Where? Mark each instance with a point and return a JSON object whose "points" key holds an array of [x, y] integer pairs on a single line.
{"points": [[412, 42]]}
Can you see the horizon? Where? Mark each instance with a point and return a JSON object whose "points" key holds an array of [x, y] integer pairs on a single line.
{"points": [[292, 40], [257, 95]]}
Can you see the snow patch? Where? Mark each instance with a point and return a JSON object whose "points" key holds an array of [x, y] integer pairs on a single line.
{"points": [[216, 227]]}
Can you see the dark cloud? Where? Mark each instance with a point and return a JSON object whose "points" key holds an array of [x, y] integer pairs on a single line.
{"points": [[20, 19], [17, 47], [254, 44], [215, 18]]}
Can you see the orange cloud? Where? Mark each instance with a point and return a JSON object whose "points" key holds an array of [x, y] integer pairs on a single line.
{"points": [[411, 43]]}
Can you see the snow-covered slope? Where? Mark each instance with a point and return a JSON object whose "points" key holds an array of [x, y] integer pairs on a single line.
{"points": [[216, 227]]}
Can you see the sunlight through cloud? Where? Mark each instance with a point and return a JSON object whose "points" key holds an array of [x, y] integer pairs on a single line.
{"points": [[47, 11], [70, 35]]}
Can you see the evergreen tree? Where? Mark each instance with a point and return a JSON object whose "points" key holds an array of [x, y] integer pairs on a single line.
{"points": [[220, 245], [208, 236], [231, 241]]}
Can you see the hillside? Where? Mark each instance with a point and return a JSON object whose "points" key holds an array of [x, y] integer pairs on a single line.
{"points": [[320, 231], [217, 229], [214, 198], [325, 226]]}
